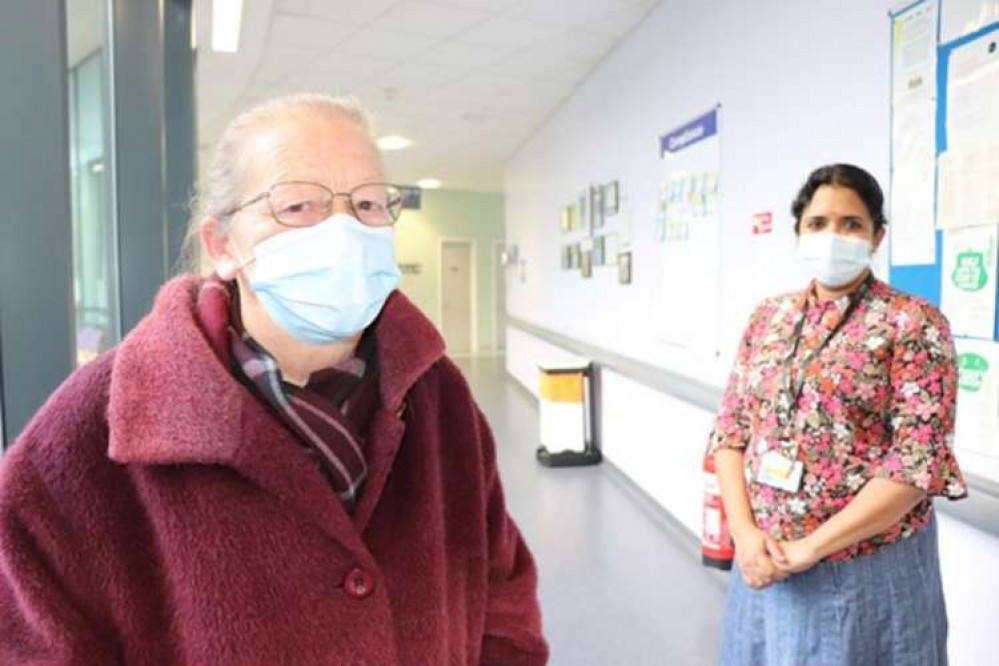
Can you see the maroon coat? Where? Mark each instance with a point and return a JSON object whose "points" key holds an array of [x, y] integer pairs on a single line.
{"points": [[155, 512]]}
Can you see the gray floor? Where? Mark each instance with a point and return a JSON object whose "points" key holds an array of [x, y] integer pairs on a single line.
{"points": [[619, 585]]}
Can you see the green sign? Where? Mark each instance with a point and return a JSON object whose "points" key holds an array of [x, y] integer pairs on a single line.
{"points": [[971, 371], [970, 274]]}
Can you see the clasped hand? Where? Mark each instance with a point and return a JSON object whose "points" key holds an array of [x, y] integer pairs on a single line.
{"points": [[763, 560]]}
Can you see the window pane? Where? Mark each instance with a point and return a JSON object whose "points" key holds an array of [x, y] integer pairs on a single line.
{"points": [[94, 265]]}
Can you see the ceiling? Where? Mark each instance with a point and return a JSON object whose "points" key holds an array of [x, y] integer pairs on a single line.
{"points": [[467, 80]]}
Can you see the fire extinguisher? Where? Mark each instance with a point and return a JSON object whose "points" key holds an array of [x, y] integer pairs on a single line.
{"points": [[717, 549]]}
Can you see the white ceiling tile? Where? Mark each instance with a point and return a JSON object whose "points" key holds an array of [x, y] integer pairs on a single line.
{"points": [[577, 44], [249, 98], [532, 108], [423, 74], [619, 22], [305, 32], [281, 62], [432, 125], [413, 129], [481, 84], [289, 55], [492, 6], [348, 63], [546, 60], [386, 44], [549, 89], [502, 124], [426, 19], [332, 83], [259, 93], [386, 96], [346, 11], [507, 33], [534, 66], [570, 12], [537, 89], [448, 53]]}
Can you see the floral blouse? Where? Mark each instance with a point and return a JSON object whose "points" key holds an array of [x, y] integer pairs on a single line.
{"points": [[878, 400]]}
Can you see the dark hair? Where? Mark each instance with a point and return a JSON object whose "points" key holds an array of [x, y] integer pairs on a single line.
{"points": [[842, 175]]}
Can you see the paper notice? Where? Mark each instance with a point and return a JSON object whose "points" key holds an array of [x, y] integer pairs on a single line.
{"points": [[969, 280], [969, 169], [977, 428]]}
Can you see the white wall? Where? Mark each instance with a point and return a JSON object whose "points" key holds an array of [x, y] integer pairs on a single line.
{"points": [[968, 557], [800, 84], [645, 447], [524, 353]]}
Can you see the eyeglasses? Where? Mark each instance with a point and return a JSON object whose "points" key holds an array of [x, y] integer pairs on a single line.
{"points": [[301, 204]]}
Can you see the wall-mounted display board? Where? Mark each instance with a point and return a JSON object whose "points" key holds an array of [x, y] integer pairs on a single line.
{"points": [[945, 195]]}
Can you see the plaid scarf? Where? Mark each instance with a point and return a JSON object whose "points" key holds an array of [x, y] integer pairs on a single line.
{"points": [[329, 415]]}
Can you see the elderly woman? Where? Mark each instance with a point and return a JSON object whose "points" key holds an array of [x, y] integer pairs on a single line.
{"points": [[834, 433], [279, 465]]}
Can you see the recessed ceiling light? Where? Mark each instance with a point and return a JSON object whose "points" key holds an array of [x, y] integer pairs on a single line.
{"points": [[227, 18], [428, 184], [394, 142]]}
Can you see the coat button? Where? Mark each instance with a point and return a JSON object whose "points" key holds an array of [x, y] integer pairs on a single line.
{"points": [[359, 584]]}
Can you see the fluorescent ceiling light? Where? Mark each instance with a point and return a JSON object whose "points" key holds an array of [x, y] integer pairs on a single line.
{"points": [[227, 18], [428, 184], [394, 143]]}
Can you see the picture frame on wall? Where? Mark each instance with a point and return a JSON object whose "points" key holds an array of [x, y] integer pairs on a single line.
{"points": [[612, 198], [599, 254], [586, 264], [566, 222], [565, 257], [574, 256], [596, 207], [624, 268], [583, 206], [610, 249]]}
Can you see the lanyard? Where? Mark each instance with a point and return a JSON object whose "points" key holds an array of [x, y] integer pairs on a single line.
{"points": [[793, 393]]}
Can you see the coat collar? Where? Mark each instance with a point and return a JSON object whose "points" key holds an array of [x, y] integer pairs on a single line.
{"points": [[172, 400]]}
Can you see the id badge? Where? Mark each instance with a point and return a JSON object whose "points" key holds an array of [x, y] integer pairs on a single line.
{"points": [[780, 472]]}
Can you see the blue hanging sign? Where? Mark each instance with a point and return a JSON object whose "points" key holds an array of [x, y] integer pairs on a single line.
{"points": [[696, 130]]}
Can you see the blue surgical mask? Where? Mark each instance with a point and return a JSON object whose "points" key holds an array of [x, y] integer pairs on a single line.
{"points": [[325, 283]]}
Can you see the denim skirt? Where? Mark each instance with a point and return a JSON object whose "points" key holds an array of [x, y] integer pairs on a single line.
{"points": [[883, 609]]}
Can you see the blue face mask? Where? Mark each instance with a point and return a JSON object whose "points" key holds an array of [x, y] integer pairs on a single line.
{"points": [[325, 283]]}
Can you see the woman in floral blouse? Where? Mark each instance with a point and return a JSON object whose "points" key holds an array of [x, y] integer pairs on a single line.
{"points": [[834, 435]]}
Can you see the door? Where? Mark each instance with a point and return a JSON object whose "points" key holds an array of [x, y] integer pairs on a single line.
{"points": [[499, 282], [456, 295]]}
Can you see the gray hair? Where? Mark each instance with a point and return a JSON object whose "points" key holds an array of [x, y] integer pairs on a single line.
{"points": [[220, 190]]}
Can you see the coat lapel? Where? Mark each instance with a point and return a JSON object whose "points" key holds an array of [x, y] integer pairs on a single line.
{"points": [[173, 401], [408, 346], [272, 459], [386, 432]]}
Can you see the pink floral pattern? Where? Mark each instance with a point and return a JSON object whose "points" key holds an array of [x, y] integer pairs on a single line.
{"points": [[878, 401]]}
